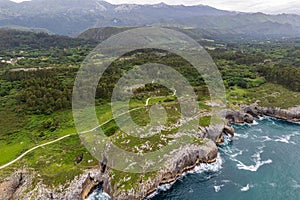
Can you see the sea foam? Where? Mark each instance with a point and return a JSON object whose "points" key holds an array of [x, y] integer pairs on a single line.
{"points": [[246, 188], [203, 167], [258, 163]]}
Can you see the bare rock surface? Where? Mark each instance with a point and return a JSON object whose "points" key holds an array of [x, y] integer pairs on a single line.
{"points": [[184, 159], [292, 114]]}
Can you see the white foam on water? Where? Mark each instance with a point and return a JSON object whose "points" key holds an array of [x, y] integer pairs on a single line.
{"points": [[246, 188], [273, 185], [264, 138], [152, 195], [286, 138], [258, 163], [244, 136], [165, 187], [295, 184], [237, 154], [225, 181], [213, 167], [256, 158], [254, 123], [203, 167], [253, 168], [261, 118], [218, 187], [96, 195]]}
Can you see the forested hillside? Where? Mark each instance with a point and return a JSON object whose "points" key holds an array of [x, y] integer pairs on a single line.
{"points": [[72, 17], [37, 74]]}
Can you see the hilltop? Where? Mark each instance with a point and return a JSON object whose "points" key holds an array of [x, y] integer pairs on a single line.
{"points": [[72, 17]]}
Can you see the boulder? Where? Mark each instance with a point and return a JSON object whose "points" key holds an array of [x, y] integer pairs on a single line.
{"points": [[228, 130], [239, 117], [292, 114], [9, 186]]}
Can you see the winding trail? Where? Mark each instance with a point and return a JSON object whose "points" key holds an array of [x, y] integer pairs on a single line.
{"points": [[32, 149], [147, 101], [61, 138], [93, 129], [66, 136]]}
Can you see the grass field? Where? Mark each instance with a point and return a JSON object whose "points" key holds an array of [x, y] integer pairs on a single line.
{"points": [[267, 95], [55, 163]]}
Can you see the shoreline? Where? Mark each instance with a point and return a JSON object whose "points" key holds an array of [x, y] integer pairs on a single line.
{"points": [[244, 112], [79, 187], [247, 113], [185, 170], [186, 159]]}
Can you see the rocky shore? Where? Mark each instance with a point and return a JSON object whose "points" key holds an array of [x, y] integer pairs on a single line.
{"points": [[18, 185], [246, 114], [184, 160]]}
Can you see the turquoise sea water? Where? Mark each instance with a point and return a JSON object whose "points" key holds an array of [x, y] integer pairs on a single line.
{"points": [[261, 162]]}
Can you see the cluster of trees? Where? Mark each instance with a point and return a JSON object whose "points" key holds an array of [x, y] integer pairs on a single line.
{"points": [[44, 95], [12, 39], [117, 69], [285, 75], [48, 90], [238, 75], [239, 57], [42, 91], [151, 89], [21, 75]]}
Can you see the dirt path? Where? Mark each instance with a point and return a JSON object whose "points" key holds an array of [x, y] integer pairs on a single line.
{"points": [[66, 136], [59, 139], [32, 149]]}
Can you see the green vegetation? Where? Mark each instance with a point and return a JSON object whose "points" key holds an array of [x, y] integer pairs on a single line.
{"points": [[35, 97], [204, 121], [287, 76]]}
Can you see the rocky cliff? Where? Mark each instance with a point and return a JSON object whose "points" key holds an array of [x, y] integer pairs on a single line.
{"points": [[184, 159], [19, 185], [247, 113]]}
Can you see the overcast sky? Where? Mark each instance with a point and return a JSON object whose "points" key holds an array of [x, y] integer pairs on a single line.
{"points": [[268, 6]]}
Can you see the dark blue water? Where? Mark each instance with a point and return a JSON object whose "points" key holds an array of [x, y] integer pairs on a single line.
{"points": [[261, 162]]}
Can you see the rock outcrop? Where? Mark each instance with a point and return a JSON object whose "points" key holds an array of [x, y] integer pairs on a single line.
{"points": [[239, 117], [215, 132], [292, 114], [9, 187], [228, 130], [182, 160], [88, 185], [19, 186], [248, 113], [185, 159]]}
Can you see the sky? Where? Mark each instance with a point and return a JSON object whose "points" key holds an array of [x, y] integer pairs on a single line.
{"points": [[267, 6]]}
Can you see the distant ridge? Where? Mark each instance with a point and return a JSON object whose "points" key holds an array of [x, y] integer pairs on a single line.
{"points": [[72, 17]]}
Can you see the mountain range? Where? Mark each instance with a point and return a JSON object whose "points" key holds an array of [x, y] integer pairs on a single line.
{"points": [[72, 17]]}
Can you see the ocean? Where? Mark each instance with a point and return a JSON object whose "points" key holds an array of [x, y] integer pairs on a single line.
{"points": [[262, 161]]}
